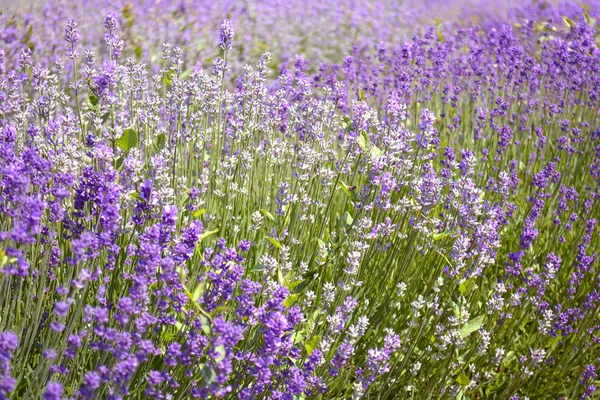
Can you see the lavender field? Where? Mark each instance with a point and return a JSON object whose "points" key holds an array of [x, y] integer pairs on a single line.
{"points": [[287, 199]]}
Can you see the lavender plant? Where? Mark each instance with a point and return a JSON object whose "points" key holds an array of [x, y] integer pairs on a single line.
{"points": [[412, 220]]}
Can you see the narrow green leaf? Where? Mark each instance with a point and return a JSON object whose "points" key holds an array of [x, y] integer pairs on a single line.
{"points": [[274, 242], [440, 35], [181, 275], [568, 21], [199, 291], [207, 234], [267, 214], [198, 213], [219, 310], [439, 236], [349, 190], [345, 188]]}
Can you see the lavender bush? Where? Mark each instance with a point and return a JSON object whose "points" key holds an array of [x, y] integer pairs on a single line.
{"points": [[386, 212]]}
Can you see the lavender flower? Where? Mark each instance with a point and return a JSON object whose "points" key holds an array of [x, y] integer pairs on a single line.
{"points": [[226, 35]]}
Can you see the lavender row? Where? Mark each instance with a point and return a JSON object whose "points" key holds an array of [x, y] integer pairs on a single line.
{"points": [[417, 219]]}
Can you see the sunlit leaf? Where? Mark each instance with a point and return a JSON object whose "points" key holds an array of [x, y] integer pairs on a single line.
{"points": [[274, 242], [290, 300], [312, 344], [207, 234], [128, 140], [472, 326], [463, 380]]}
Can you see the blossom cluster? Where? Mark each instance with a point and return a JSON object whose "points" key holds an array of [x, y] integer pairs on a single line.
{"points": [[414, 219]]}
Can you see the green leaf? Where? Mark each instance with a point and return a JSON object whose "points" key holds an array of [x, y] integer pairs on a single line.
{"points": [[208, 374], [161, 141], [274, 242], [345, 188], [179, 326], [364, 142], [312, 320], [198, 213], [168, 336], [181, 275], [219, 310], [349, 190], [185, 74], [184, 200], [205, 325], [128, 140], [472, 326], [455, 308], [119, 163], [257, 267], [207, 234], [222, 353], [375, 151], [267, 214], [293, 285], [290, 300], [347, 219], [199, 291], [442, 235], [440, 35], [463, 380], [312, 344], [569, 22], [466, 286], [347, 124], [93, 101], [168, 78]]}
